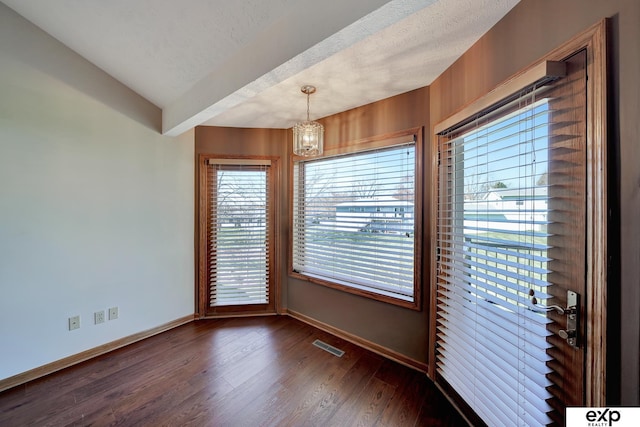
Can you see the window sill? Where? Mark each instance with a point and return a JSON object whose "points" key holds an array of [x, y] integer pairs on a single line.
{"points": [[412, 303]]}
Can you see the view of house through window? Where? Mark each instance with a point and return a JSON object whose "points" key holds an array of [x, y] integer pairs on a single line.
{"points": [[354, 220]]}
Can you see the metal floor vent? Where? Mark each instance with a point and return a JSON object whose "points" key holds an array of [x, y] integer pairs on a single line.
{"points": [[326, 347]]}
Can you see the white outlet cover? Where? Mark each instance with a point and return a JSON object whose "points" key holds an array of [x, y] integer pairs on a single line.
{"points": [[113, 313], [98, 317]]}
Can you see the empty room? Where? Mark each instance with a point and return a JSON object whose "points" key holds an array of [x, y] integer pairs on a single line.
{"points": [[287, 213]]}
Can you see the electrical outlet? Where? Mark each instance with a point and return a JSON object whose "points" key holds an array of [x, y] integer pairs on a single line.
{"points": [[74, 322], [98, 317], [113, 313]]}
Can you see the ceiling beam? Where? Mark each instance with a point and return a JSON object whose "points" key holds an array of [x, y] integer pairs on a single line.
{"points": [[283, 51]]}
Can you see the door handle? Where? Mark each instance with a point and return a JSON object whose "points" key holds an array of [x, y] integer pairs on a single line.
{"points": [[572, 312]]}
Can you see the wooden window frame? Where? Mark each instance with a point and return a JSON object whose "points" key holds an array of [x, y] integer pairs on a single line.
{"points": [[362, 145], [203, 310]]}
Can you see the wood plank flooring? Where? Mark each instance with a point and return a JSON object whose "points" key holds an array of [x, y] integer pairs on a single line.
{"points": [[232, 372]]}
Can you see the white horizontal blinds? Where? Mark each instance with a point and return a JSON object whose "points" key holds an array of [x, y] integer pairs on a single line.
{"points": [[239, 239], [492, 241], [354, 219]]}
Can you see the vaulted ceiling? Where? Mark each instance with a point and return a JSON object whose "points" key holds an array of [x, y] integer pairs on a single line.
{"points": [[241, 63]]}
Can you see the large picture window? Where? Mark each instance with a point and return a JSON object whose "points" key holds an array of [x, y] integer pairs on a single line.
{"points": [[354, 221]]}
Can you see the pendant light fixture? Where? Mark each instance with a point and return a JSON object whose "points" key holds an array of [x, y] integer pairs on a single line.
{"points": [[308, 136]]}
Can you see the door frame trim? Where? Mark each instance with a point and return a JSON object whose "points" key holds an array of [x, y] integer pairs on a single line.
{"points": [[202, 310]]}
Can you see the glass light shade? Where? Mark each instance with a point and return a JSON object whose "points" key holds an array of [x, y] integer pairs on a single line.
{"points": [[308, 139]]}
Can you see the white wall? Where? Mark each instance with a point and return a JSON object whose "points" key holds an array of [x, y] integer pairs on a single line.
{"points": [[96, 207]]}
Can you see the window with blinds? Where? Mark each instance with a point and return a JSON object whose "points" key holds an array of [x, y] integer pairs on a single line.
{"points": [[238, 234], [511, 224], [493, 243], [354, 221]]}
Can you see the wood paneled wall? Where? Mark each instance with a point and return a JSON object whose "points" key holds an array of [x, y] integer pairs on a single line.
{"points": [[402, 331]]}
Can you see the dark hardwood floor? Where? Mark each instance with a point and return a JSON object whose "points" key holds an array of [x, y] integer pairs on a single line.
{"points": [[232, 372]]}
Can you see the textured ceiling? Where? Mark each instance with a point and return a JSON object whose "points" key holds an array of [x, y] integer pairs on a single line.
{"points": [[241, 63]]}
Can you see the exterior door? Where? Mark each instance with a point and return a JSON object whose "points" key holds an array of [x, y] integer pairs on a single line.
{"points": [[518, 247]]}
